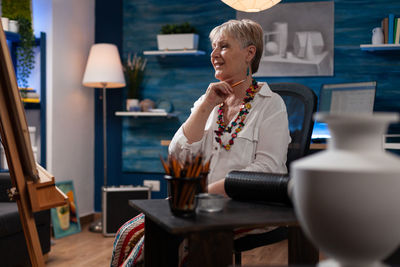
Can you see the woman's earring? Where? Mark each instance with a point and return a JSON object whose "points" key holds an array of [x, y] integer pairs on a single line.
{"points": [[248, 71]]}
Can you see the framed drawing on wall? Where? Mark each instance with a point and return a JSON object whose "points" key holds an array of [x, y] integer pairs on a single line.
{"points": [[65, 219], [298, 39]]}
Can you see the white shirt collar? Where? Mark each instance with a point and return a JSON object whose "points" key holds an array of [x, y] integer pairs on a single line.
{"points": [[265, 90]]}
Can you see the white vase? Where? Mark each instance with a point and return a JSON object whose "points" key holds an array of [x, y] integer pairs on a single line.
{"points": [[346, 198], [377, 36]]}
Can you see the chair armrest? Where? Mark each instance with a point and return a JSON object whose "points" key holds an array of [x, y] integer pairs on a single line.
{"points": [[5, 183], [258, 186]]}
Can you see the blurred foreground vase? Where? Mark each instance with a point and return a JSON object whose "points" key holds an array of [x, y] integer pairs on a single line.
{"points": [[346, 198]]}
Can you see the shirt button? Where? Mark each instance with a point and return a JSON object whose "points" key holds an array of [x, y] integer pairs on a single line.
{"points": [[216, 148]]}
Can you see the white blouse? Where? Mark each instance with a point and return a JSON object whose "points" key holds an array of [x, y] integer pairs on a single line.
{"points": [[261, 145]]}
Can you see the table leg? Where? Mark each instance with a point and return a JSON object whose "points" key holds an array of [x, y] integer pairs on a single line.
{"points": [[210, 248], [300, 249], [160, 247]]}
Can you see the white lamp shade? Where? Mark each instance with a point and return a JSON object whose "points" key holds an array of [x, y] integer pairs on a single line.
{"points": [[251, 5], [104, 68]]}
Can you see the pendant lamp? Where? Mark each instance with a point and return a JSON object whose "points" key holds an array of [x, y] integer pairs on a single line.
{"points": [[251, 5]]}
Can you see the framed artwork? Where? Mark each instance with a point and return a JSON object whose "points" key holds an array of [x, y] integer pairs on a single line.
{"points": [[65, 219], [298, 39]]}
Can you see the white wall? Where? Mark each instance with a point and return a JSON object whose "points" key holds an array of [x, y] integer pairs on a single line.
{"points": [[70, 106]]}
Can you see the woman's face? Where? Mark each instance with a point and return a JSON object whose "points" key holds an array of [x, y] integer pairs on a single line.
{"points": [[229, 59]]}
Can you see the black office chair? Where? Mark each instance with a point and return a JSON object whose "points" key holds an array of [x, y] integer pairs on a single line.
{"points": [[301, 103]]}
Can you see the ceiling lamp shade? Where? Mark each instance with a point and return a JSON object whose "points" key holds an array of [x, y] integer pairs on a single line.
{"points": [[251, 5], [104, 68]]}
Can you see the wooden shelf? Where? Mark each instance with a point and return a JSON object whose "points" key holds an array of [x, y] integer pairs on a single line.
{"points": [[174, 53], [165, 142], [144, 114], [381, 47], [318, 146], [15, 37]]}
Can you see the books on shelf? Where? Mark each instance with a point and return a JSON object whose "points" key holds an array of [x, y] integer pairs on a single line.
{"points": [[385, 27], [30, 100], [29, 95], [26, 90], [391, 29]]}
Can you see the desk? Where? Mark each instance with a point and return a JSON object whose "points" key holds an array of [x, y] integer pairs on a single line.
{"points": [[211, 236], [312, 146]]}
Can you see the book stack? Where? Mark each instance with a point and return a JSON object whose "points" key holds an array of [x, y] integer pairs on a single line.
{"points": [[29, 95], [391, 29]]}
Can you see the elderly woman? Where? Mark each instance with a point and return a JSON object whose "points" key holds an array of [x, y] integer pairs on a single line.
{"points": [[240, 123]]}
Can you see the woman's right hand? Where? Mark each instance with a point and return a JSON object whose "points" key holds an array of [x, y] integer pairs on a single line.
{"points": [[217, 93], [194, 126]]}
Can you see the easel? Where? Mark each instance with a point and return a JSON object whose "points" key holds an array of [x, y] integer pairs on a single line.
{"points": [[33, 187]]}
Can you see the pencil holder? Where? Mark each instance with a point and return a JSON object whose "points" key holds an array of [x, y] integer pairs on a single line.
{"points": [[182, 194]]}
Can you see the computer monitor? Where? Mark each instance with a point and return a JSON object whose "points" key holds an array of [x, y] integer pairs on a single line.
{"points": [[343, 98]]}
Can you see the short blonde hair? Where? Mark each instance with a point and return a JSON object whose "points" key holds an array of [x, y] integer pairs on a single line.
{"points": [[247, 32]]}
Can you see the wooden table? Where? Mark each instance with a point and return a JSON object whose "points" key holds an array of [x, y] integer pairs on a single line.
{"points": [[211, 236]]}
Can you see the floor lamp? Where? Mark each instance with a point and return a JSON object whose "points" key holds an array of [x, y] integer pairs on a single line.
{"points": [[103, 70]]}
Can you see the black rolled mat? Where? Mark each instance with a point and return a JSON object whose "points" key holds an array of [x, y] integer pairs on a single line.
{"points": [[258, 186]]}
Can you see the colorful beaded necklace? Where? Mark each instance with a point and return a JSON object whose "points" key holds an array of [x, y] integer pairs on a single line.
{"points": [[239, 120]]}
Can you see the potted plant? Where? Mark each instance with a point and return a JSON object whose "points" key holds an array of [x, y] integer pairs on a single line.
{"points": [[25, 53], [21, 12], [134, 68], [178, 37]]}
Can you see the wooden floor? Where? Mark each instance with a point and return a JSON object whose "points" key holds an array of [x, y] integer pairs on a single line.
{"points": [[93, 249], [82, 249], [275, 254]]}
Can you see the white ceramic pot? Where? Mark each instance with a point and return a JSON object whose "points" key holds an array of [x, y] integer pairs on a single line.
{"points": [[13, 26], [5, 22], [184, 41], [132, 105], [347, 197]]}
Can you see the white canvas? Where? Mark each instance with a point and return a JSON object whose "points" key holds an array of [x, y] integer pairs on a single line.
{"points": [[298, 39]]}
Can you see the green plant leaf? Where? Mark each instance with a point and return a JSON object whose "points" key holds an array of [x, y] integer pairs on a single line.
{"points": [[25, 53], [134, 69], [20, 10], [185, 27]]}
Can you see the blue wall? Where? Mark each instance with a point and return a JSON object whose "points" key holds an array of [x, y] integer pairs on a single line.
{"points": [[178, 79], [183, 79]]}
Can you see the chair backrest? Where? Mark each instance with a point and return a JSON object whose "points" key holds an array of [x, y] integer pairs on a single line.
{"points": [[301, 103]]}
